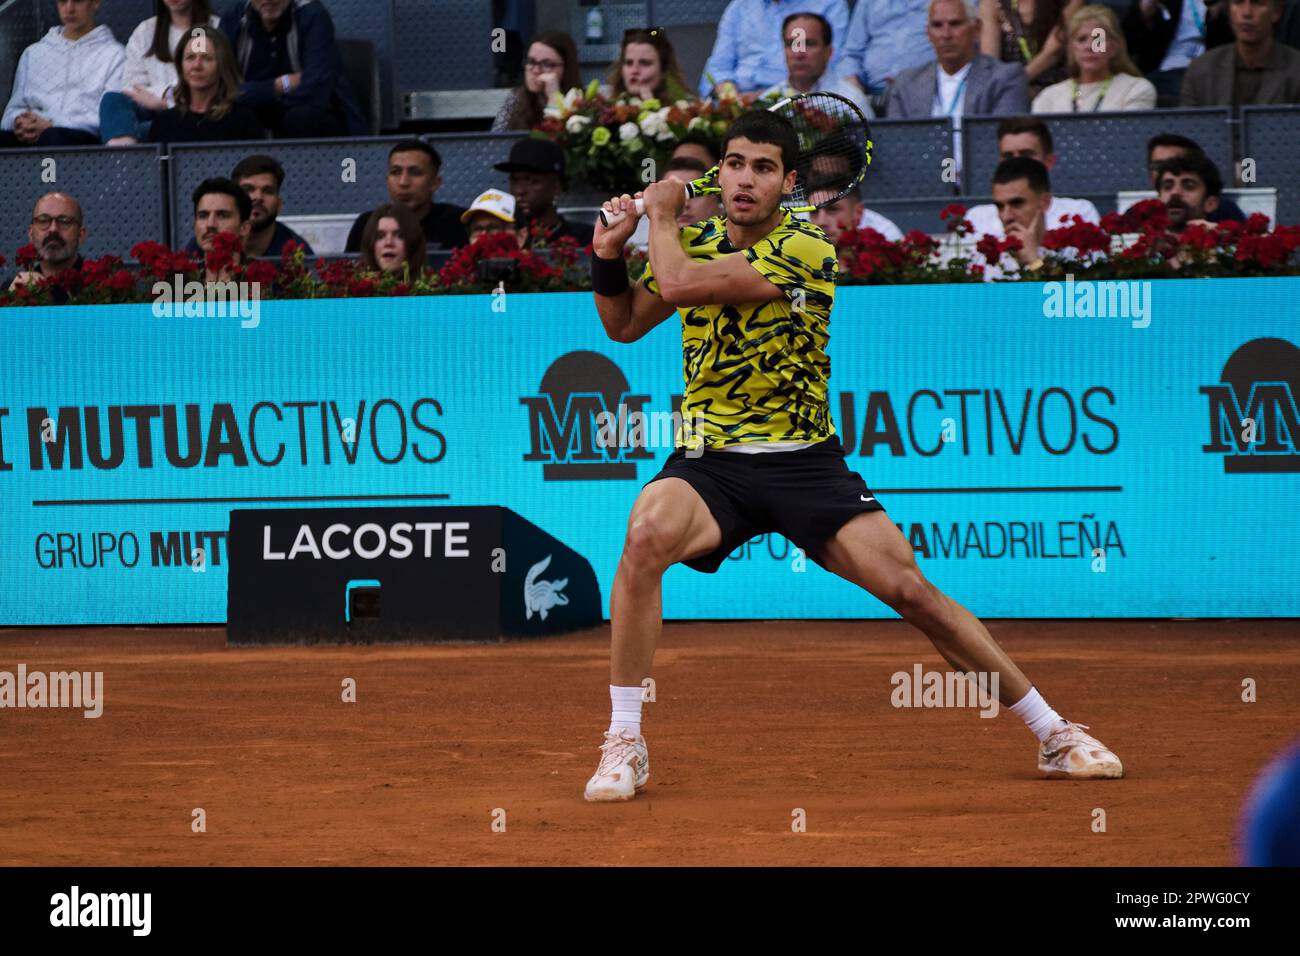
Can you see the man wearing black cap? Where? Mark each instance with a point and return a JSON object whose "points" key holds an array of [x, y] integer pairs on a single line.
{"points": [[536, 168]]}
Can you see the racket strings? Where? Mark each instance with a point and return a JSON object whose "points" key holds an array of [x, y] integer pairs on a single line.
{"points": [[834, 148]]}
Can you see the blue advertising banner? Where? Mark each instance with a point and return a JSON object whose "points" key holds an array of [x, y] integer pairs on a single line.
{"points": [[1049, 450]]}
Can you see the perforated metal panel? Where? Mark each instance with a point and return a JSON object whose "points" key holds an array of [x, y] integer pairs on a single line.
{"points": [[314, 175], [20, 26], [467, 161], [371, 20], [120, 191], [443, 45], [908, 159], [1099, 152], [664, 13], [1272, 139]]}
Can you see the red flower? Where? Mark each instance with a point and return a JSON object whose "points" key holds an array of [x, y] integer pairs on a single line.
{"points": [[121, 281], [261, 273], [956, 210], [28, 256], [365, 286]]}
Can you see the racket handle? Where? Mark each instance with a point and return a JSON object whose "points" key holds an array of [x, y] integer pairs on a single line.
{"points": [[614, 218]]}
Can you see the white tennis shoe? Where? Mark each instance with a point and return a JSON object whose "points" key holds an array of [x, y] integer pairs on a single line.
{"points": [[1071, 754], [624, 768]]}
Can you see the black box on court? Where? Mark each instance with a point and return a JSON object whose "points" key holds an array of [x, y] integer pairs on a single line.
{"points": [[344, 575]]}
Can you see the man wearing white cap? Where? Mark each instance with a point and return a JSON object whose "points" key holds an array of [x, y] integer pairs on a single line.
{"points": [[492, 211]]}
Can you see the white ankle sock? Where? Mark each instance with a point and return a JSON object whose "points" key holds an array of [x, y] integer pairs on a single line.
{"points": [[1038, 717], [625, 706]]}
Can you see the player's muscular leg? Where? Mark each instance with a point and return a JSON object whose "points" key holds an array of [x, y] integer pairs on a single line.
{"points": [[871, 552], [669, 523]]}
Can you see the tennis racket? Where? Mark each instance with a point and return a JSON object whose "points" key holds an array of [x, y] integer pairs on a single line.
{"points": [[834, 153]]}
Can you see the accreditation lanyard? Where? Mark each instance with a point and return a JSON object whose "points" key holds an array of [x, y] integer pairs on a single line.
{"points": [[1018, 24], [956, 97], [1074, 99], [1196, 18]]}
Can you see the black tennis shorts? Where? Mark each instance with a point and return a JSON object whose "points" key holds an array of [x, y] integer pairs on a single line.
{"points": [[805, 495]]}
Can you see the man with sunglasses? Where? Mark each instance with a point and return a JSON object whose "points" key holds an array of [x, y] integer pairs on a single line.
{"points": [[57, 232]]}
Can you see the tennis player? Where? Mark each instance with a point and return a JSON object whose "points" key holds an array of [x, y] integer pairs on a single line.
{"points": [[754, 288]]}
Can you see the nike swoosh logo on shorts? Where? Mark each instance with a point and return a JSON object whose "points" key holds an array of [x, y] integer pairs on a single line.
{"points": [[864, 498]]}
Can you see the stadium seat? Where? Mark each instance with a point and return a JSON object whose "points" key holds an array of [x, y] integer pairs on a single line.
{"points": [[362, 70]]}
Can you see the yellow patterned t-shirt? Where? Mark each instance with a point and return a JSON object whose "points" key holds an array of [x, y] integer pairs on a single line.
{"points": [[758, 371]]}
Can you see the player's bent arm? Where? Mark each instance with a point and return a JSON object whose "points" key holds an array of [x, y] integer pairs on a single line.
{"points": [[630, 315], [728, 278]]}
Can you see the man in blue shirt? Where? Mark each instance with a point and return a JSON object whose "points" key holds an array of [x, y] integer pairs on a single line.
{"points": [[749, 50], [885, 37]]}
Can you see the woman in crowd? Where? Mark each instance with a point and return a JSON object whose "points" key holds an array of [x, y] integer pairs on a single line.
{"points": [[1104, 79], [393, 240], [149, 80], [550, 67], [206, 110], [1028, 32], [646, 67]]}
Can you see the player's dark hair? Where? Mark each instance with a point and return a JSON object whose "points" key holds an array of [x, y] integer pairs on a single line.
{"points": [[417, 146], [760, 126], [223, 186], [1015, 125], [258, 165], [1198, 164], [826, 24], [1022, 167], [1172, 139]]}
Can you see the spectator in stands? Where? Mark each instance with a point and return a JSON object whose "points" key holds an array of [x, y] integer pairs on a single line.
{"points": [[808, 53], [293, 71], [884, 38], [697, 208], [646, 67], [550, 67], [207, 106], [699, 146], [393, 241], [262, 180], [61, 79], [1164, 36], [1102, 77], [1028, 136], [747, 50], [1028, 32], [536, 168], [149, 79], [847, 213], [1170, 146], [959, 81], [1022, 194], [414, 176], [1255, 69], [220, 206], [1189, 186], [493, 211], [57, 231]]}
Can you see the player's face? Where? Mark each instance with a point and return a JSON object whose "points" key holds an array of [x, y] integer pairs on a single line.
{"points": [[1185, 199], [837, 218], [1018, 205], [752, 179]]}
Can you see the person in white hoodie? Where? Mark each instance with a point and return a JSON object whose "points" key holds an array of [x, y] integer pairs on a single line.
{"points": [[149, 80], [60, 81]]}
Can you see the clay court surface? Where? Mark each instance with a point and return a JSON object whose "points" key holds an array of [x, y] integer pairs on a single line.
{"points": [[752, 720]]}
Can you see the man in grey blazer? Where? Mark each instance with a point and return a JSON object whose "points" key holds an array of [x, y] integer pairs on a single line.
{"points": [[959, 82], [1255, 69]]}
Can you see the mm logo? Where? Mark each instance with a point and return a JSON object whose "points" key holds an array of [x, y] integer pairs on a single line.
{"points": [[1254, 421], [578, 392]]}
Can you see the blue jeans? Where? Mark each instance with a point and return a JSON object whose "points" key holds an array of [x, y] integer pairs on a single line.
{"points": [[119, 115]]}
